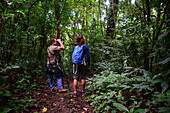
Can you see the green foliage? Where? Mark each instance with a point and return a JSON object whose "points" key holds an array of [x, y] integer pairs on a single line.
{"points": [[14, 84], [140, 41], [106, 91], [110, 90], [11, 103], [120, 107]]}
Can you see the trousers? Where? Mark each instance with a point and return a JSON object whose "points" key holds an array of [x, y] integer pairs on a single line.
{"points": [[59, 81]]}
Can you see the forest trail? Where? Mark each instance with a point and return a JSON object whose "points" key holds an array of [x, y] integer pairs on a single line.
{"points": [[54, 102]]}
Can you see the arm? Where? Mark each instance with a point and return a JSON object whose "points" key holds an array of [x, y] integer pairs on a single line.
{"points": [[61, 47], [88, 56]]}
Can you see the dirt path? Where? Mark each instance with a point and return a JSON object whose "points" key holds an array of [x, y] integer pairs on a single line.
{"points": [[55, 102]]}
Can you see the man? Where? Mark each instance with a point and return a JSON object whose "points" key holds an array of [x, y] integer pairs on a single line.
{"points": [[80, 70], [54, 48]]}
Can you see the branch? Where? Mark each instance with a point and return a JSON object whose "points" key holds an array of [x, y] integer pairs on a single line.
{"points": [[61, 13], [160, 27], [32, 5], [69, 35], [30, 8], [140, 8]]}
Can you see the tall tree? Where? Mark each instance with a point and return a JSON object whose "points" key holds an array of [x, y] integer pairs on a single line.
{"points": [[112, 17]]}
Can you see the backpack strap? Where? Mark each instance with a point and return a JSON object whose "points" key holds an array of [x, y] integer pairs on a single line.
{"points": [[51, 54]]}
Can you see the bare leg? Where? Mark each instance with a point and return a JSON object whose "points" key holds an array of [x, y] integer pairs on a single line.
{"points": [[83, 84], [75, 84]]}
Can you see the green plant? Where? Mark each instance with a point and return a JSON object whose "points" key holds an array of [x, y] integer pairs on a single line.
{"points": [[106, 91], [128, 91], [11, 88]]}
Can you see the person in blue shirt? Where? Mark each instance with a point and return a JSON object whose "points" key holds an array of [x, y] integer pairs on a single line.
{"points": [[80, 70]]}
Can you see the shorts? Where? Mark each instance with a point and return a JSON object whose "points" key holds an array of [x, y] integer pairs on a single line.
{"points": [[79, 71]]}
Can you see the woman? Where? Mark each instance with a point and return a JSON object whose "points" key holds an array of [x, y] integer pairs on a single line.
{"points": [[80, 70]]}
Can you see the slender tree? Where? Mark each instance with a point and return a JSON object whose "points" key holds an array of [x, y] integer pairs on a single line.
{"points": [[112, 17]]}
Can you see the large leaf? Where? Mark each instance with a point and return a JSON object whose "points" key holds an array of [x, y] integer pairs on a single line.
{"points": [[19, 11], [5, 109], [128, 68], [165, 86], [157, 81], [147, 73], [140, 86], [168, 93], [141, 111], [165, 61], [162, 35], [164, 109], [2, 80], [120, 107]]}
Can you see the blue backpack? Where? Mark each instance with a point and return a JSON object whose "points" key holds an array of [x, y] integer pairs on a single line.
{"points": [[77, 54]]}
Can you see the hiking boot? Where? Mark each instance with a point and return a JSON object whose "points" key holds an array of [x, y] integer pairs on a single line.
{"points": [[55, 89], [62, 90], [74, 95]]}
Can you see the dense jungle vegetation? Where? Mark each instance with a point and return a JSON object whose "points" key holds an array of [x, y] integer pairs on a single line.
{"points": [[129, 49]]}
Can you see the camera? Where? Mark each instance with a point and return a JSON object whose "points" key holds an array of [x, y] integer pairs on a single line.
{"points": [[58, 44]]}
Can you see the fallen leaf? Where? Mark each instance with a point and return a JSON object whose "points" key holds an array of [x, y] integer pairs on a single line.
{"points": [[66, 94], [38, 89], [85, 109], [43, 100], [150, 106], [87, 106], [62, 99], [47, 101], [45, 94], [74, 109], [78, 106], [54, 104], [44, 109], [119, 94], [74, 102], [71, 100]]}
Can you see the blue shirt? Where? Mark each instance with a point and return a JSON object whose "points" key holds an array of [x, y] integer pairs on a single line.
{"points": [[86, 54]]}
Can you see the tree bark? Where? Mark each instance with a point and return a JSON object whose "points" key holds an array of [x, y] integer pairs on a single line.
{"points": [[146, 49], [111, 25], [57, 18], [43, 33], [100, 18]]}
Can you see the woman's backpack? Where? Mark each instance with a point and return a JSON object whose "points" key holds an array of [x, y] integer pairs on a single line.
{"points": [[77, 54]]}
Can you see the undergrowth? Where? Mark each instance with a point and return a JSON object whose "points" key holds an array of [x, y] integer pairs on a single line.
{"points": [[126, 92]]}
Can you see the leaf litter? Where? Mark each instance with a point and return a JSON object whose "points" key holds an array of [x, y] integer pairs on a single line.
{"points": [[55, 102]]}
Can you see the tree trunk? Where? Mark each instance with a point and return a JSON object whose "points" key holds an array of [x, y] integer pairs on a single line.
{"points": [[43, 33], [57, 17], [75, 29], [146, 49], [111, 25], [168, 16], [28, 36], [2, 36], [157, 32], [100, 19]]}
